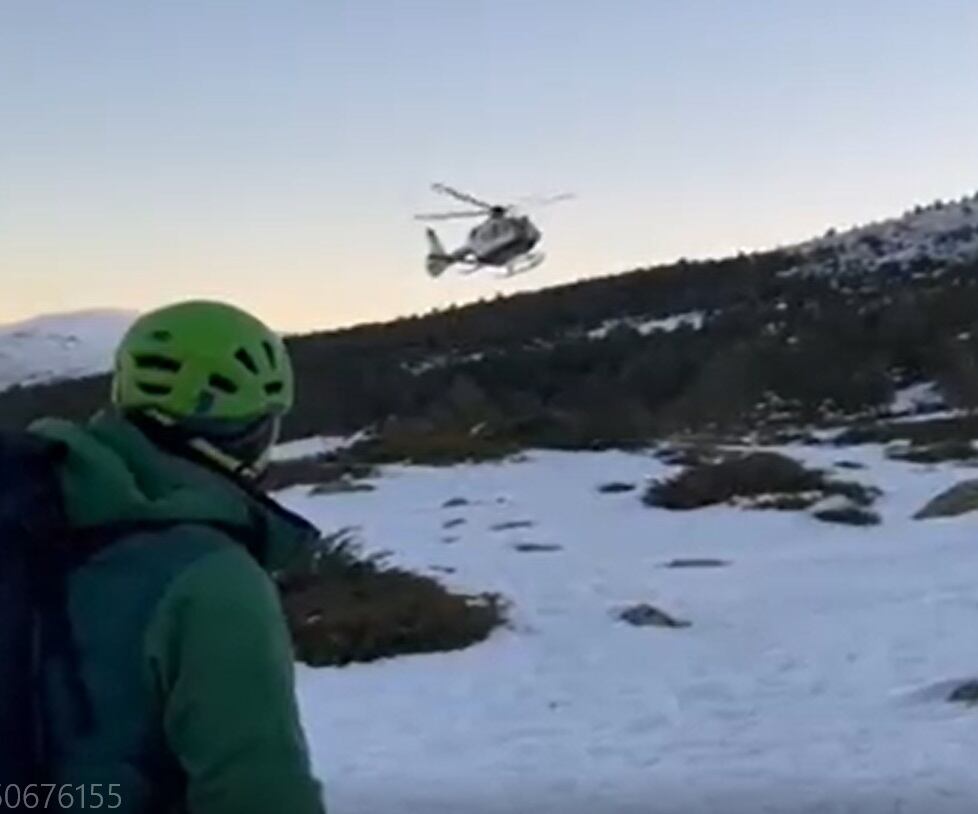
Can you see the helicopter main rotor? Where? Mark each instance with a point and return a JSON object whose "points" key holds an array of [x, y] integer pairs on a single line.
{"points": [[484, 208], [538, 201], [444, 189], [481, 213]]}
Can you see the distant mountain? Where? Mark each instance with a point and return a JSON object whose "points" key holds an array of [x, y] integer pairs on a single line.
{"points": [[60, 346]]}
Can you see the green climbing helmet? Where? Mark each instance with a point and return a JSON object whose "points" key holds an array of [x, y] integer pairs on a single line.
{"points": [[202, 360]]}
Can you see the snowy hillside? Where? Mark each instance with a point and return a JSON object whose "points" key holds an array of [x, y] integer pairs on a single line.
{"points": [[937, 234], [813, 677], [916, 246], [60, 346]]}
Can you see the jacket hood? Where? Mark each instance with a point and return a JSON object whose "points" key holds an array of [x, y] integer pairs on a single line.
{"points": [[114, 474]]}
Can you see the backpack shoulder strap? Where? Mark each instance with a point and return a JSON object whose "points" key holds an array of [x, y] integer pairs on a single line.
{"points": [[86, 543]]}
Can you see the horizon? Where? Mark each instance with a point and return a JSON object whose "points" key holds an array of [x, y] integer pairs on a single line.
{"points": [[274, 154], [110, 312]]}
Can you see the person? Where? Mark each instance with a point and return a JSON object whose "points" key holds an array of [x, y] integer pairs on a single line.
{"points": [[177, 694]]}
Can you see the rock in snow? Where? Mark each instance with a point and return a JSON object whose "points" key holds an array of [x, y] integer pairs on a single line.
{"points": [[959, 499], [645, 615], [966, 693]]}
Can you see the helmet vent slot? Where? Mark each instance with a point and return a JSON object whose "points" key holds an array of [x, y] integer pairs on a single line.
{"points": [[222, 383], [270, 354], [155, 361], [273, 388], [151, 389], [247, 360]]}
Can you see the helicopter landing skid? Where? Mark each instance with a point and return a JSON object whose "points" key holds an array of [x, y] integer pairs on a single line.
{"points": [[521, 265]]}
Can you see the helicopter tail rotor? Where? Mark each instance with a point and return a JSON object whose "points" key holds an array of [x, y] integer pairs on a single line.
{"points": [[438, 260]]}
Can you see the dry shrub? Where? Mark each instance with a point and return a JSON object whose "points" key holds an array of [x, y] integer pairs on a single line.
{"points": [[780, 483], [759, 473], [950, 450], [343, 607], [849, 516], [932, 431], [314, 470], [689, 454]]}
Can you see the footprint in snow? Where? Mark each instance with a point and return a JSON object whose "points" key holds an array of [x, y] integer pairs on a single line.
{"points": [[536, 547], [512, 524], [616, 488], [696, 562], [646, 615]]}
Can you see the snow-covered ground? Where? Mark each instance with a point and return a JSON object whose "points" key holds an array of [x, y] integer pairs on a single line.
{"points": [[812, 678], [60, 346]]}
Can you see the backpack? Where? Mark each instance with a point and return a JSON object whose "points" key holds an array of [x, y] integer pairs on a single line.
{"points": [[38, 550], [32, 527]]}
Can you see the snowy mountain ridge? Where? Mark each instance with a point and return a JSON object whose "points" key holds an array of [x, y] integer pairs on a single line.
{"points": [[60, 346], [923, 240], [939, 234]]}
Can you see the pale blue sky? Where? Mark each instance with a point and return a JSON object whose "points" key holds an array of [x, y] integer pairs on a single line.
{"points": [[272, 151]]}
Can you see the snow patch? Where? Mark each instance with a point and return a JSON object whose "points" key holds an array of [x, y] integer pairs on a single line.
{"points": [[832, 503], [649, 325], [922, 397], [442, 361]]}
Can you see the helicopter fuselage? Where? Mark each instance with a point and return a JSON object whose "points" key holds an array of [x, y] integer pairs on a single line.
{"points": [[500, 239]]}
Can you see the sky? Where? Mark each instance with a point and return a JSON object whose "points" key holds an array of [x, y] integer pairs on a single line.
{"points": [[272, 152]]}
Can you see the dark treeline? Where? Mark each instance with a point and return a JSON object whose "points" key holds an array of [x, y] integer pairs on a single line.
{"points": [[773, 345]]}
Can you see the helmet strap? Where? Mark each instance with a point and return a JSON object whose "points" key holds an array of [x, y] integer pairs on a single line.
{"points": [[209, 451]]}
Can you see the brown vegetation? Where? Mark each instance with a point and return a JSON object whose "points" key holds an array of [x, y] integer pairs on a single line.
{"points": [[343, 608], [777, 481]]}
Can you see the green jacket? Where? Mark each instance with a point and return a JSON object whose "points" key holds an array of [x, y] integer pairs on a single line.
{"points": [[179, 637]]}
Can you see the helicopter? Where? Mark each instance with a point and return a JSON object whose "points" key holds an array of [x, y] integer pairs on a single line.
{"points": [[504, 240]]}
